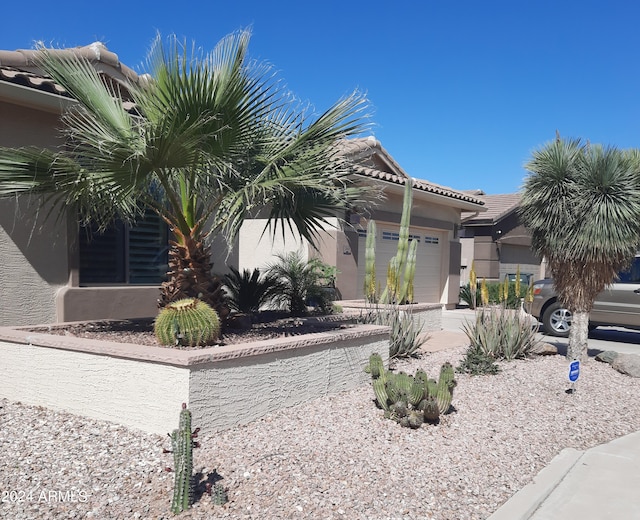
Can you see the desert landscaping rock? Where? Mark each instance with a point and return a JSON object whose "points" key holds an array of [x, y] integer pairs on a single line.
{"points": [[628, 364], [607, 356], [335, 457], [544, 349]]}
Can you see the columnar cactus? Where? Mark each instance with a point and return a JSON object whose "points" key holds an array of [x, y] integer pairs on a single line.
{"points": [[182, 444], [399, 278], [370, 289], [412, 400], [409, 273], [189, 322]]}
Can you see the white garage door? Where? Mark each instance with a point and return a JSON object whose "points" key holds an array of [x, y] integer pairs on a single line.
{"points": [[427, 287]]}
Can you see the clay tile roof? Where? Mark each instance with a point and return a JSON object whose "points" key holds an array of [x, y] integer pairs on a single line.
{"points": [[363, 148], [497, 206], [20, 66]]}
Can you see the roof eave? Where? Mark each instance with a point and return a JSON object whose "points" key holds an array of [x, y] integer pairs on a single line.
{"points": [[445, 200], [34, 98]]}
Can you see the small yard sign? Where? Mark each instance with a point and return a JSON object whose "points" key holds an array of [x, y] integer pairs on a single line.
{"points": [[574, 371]]}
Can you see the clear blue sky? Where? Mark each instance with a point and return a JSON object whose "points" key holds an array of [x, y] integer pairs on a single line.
{"points": [[462, 91]]}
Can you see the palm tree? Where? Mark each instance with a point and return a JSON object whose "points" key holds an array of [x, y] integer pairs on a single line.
{"points": [[581, 203], [203, 140], [301, 281]]}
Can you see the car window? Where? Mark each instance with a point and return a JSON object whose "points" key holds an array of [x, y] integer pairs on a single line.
{"points": [[633, 274]]}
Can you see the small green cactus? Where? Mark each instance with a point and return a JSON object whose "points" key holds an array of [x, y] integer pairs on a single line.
{"points": [[412, 400], [182, 444], [218, 494], [189, 322], [375, 366], [416, 418]]}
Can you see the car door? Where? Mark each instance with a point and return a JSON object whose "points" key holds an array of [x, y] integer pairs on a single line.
{"points": [[620, 303]]}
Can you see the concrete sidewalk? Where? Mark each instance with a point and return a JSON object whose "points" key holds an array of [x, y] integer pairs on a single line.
{"points": [[596, 484]]}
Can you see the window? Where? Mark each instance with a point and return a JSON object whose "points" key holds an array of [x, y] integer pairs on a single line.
{"points": [[431, 240], [125, 254]]}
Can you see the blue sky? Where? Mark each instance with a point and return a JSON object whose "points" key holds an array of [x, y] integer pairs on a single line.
{"points": [[461, 91]]}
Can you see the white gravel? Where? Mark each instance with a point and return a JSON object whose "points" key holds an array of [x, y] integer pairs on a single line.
{"points": [[332, 458]]}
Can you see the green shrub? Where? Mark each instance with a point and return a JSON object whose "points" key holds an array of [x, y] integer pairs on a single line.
{"points": [[501, 333], [250, 291], [467, 296], [495, 290], [476, 363]]}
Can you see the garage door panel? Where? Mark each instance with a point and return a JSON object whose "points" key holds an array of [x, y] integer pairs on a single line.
{"points": [[427, 287]]}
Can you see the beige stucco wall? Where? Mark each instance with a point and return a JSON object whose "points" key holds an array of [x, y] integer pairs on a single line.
{"points": [[33, 263], [258, 248], [25, 126], [136, 394], [93, 303], [241, 390], [143, 387], [33, 252]]}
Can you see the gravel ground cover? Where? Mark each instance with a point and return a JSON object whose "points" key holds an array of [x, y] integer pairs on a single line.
{"points": [[332, 458]]}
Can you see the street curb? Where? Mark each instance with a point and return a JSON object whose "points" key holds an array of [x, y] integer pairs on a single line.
{"points": [[525, 502]]}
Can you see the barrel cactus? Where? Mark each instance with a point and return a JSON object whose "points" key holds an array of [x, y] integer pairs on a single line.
{"points": [[189, 322]]}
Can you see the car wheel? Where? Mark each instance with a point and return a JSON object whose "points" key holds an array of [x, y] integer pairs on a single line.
{"points": [[557, 320]]}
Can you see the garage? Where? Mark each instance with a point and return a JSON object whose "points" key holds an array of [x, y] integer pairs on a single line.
{"points": [[427, 283]]}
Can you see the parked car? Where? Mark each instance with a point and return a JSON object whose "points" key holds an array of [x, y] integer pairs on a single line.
{"points": [[618, 305], [525, 278]]}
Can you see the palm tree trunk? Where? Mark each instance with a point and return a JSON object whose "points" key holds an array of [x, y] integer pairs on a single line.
{"points": [[578, 337], [190, 276]]}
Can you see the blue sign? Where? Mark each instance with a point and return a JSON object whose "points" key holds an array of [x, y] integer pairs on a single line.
{"points": [[574, 371]]}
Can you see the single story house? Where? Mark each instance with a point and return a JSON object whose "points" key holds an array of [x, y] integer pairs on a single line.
{"points": [[52, 271], [496, 242]]}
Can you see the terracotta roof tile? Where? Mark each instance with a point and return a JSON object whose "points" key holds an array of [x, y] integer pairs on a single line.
{"points": [[362, 147], [498, 206], [21, 67]]}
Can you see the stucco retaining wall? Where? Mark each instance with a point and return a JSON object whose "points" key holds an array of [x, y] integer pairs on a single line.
{"points": [[143, 387], [429, 315]]}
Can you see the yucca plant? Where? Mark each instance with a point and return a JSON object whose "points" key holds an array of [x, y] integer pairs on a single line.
{"points": [[405, 336], [581, 204]]}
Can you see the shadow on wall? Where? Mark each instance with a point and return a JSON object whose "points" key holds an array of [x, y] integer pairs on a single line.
{"points": [[41, 243]]}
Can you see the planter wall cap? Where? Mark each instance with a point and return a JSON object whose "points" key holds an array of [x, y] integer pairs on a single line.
{"points": [[186, 358]]}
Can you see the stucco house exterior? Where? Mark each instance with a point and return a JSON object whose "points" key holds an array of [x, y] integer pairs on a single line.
{"points": [[52, 271], [496, 242], [435, 220]]}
